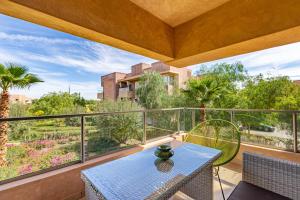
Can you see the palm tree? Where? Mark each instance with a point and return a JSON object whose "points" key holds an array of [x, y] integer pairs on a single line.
{"points": [[203, 91], [11, 76]]}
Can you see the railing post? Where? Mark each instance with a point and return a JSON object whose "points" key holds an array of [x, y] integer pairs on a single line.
{"points": [[82, 149], [178, 121], [184, 117], [294, 125], [193, 118], [231, 116], [145, 127]]}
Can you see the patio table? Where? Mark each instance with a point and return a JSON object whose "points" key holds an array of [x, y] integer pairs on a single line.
{"points": [[143, 176]]}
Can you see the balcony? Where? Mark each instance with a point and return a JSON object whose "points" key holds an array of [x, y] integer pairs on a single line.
{"points": [[59, 147], [46, 162], [125, 93]]}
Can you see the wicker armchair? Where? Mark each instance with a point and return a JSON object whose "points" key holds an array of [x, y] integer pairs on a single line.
{"points": [[268, 178]]}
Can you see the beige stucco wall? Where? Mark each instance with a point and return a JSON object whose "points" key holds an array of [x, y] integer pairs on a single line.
{"points": [[236, 27], [18, 98], [285, 155], [116, 23]]}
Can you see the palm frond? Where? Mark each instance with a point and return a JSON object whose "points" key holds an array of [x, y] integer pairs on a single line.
{"points": [[17, 71], [26, 81], [6, 81], [2, 69], [14, 75]]}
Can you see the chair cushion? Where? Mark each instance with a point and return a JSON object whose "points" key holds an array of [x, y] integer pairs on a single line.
{"points": [[247, 191]]}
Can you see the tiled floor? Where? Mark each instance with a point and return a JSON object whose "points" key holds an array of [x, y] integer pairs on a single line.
{"points": [[230, 176]]}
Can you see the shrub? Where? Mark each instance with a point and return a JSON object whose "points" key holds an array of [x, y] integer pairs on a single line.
{"points": [[8, 172], [53, 158], [39, 113], [25, 169], [120, 127], [42, 144], [71, 147], [59, 160], [18, 110], [101, 144], [72, 121], [18, 130], [15, 153]]}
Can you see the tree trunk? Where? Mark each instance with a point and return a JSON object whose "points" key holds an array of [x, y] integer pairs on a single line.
{"points": [[202, 113], [4, 113]]}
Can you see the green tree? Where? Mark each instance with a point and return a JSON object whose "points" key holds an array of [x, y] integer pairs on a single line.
{"points": [[202, 92], [229, 77], [11, 76], [58, 103], [151, 90], [230, 73], [271, 93], [215, 86]]}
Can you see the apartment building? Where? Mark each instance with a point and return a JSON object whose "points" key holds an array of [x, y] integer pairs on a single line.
{"points": [[122, 86]]}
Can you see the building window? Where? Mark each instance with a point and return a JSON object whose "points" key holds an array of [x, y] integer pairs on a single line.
{"points": [[169, 80], [123, 84], [130, 87]]}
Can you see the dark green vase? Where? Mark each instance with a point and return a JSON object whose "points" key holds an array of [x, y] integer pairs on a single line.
{"points": [[164, 152]]}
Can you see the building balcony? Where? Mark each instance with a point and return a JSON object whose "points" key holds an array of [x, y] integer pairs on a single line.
{"points": [[125, 93], [60, 147]]}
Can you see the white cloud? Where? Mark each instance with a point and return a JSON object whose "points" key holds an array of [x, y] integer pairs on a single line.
{"points": [[46, 73], [86, 89], [105, 60], [275, 61], [36, 39], [8, 57], [274, 57], [87, 56]]}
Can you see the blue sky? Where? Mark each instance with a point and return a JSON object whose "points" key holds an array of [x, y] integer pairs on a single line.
{"points": [[64, 60]]}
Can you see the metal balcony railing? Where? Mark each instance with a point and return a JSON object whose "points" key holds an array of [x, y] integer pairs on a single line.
{"points": [[276, 129], [63, 140]]}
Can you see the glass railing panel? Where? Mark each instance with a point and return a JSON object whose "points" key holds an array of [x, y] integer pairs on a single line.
{"points": [[196, 116], [214, 114], [186, 120], [110, 132], [162, 123], [36, 145], [40, 145], [267, 129]]}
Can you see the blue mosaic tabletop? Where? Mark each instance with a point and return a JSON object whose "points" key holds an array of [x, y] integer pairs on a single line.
{"points": [[140, 175]]}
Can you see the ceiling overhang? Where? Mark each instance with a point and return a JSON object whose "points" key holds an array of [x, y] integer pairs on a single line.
{"points": [[177, 32], [176, 12]]}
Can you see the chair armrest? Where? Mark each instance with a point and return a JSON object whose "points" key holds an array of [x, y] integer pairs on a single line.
{"points": [[279, 176]]}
